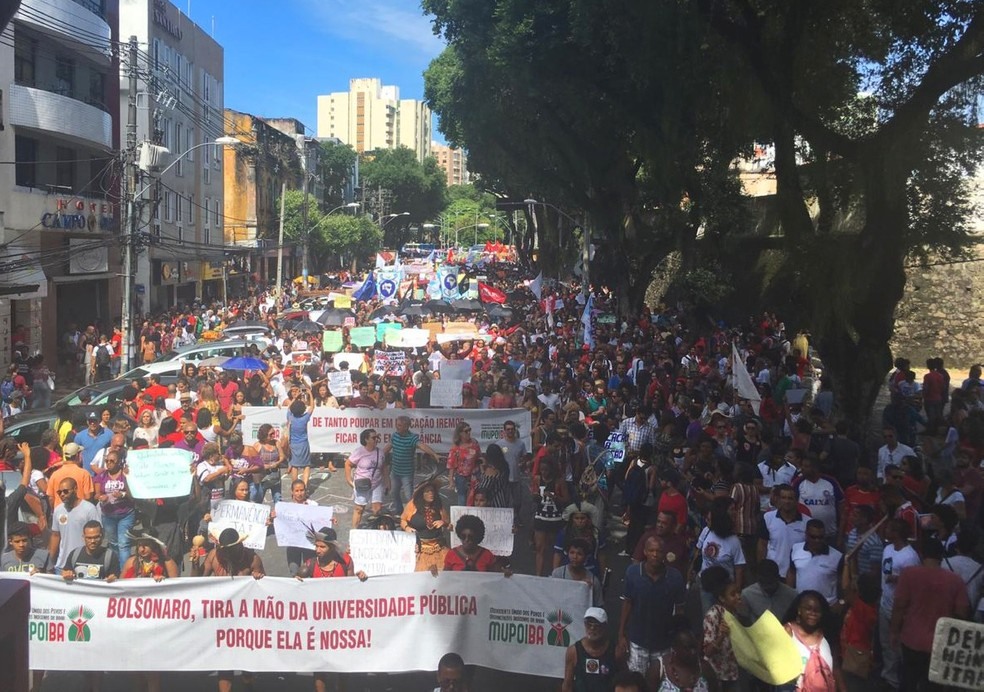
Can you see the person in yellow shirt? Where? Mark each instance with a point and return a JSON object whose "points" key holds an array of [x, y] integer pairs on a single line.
{"points": [[63, 426]]}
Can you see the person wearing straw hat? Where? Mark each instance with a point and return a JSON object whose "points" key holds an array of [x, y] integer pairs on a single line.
{"points": [[229, 558], [150, 558]]}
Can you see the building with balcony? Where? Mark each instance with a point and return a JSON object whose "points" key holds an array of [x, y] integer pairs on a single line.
{"points": [[371, 116], [454, 162], [180, 107], [255, 173], [59, 201]]}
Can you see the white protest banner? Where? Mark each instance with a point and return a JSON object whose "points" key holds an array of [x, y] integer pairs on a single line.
{"points": [[351, 361], [337, 430], [455, 369], [383, 552], [248, 518], [408, 338], [340, 383], [159, 473], [958, 654], [389, 363], [293, 520], [448, 338], [520, 624], [498, 527], [446, 393]]}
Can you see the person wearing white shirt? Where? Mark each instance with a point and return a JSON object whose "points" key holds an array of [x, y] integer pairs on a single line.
{"points": [[781, 529], [896, 556], [966, 567], [814, 565], [892, 452], [777, 470]]}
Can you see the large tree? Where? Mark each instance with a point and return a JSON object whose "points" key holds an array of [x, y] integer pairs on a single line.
{"points": [[406, 185], [336, 164], [593, 108], [878, 99]]}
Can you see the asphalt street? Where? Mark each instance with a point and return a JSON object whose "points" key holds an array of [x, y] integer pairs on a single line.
{"points": [[331, 489]]}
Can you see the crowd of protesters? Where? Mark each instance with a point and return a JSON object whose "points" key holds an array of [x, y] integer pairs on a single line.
{"points": [[724, 505]]}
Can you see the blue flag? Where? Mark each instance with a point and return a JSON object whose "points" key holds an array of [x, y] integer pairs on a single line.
{"points": [[367, 290]]}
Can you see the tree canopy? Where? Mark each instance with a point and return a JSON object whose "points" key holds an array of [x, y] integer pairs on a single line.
{"points": [[409, 186], [635, 112], [334, 239]]}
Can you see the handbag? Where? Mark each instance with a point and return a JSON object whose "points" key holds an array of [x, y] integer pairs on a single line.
{"points": [[858, 662], [364, 485]]}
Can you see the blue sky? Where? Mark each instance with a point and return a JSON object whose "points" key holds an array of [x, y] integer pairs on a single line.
{"points": [[280, 54]]}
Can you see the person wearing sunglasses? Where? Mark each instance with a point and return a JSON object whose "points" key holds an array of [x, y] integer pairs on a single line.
{"points": [[68, 521]]}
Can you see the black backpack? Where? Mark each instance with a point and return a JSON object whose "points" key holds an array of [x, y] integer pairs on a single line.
{"points": [[102, 355]]}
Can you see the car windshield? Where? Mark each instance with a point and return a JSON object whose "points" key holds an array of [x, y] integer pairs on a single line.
{"points": [[75, 398], [170, 355]]}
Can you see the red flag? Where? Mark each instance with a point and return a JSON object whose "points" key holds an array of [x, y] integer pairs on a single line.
{"points": [[490, 294]]}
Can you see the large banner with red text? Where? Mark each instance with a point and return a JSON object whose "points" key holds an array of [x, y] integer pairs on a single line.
{"points": [[520, 623], [337, 430]]}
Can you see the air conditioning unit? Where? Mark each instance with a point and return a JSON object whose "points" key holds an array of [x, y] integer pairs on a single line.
{"points": [[152, 157]]}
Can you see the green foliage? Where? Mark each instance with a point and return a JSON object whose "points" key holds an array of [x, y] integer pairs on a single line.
{"points": [[330, 236], [417, 188], [335, 165]]}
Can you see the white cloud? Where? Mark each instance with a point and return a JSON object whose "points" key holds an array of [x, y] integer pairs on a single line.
{"points": [[383, 24]]}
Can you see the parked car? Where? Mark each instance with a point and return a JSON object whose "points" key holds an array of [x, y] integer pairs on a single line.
{"points": [[172, 361]]}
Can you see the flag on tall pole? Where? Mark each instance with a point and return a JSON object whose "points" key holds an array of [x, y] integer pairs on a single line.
{"points": [[743, 384], [586, 322], [367, 290], [536, 285]]}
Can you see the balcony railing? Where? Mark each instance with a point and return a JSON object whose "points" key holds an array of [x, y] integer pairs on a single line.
{"points": [[64, 89]]}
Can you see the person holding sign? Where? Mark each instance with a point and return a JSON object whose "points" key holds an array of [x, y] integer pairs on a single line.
{"points": [[470, 556], [367, 472], [298, 414], [427, 517]]}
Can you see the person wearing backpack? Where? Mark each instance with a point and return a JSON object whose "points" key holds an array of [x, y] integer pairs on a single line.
{"points": [[102, 360], [804, 622]]}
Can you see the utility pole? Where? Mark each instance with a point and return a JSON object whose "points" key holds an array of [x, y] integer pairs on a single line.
{"points": [[304, 219], [129, 230], [280, 242]]}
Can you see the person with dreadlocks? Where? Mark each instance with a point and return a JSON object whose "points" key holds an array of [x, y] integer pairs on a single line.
{"points": [[150, 559], [426, 516], [229, 558]]}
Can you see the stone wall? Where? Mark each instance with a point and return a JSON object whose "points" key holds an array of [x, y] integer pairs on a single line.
{"points": [[942, 314]]}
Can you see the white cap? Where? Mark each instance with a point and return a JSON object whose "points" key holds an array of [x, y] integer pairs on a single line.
{"points": [[598, 614]]}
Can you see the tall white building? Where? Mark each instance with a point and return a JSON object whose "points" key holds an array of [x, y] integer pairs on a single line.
{"points": [[59, 210], [180, 106], [371, 116]]}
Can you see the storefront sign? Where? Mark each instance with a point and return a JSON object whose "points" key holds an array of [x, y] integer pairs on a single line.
{"points": [[80, 215], [211, 272], [163, 21]]}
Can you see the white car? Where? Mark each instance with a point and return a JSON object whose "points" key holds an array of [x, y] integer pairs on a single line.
{"points": [[172, 361]]}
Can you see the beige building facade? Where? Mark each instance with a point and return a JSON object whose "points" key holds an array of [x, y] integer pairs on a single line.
{"points": [[454, 162], [372, 116]]}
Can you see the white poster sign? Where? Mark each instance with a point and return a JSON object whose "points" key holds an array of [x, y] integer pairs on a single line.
{"points": [[455, 369], [615, 444], [383, 552], [293, 520], [446, 393], [337, 430], [463, 336], [248, 518], [159, 473], [389, 363], [340, 383], [498, 527], [351, 361], [956, 657], [519, 624]]}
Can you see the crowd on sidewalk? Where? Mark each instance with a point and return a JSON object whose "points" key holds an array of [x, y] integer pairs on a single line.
{"points": [[736, 501]]}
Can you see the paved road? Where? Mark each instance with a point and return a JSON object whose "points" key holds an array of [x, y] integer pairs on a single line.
{"points": [[331, 489]]}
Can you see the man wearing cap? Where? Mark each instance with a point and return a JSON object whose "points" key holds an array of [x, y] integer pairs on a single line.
{"points": [[92, 439], [71, 468], [590, 662]]}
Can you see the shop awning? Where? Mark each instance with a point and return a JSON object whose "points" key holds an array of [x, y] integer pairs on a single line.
{"points": [[25, 282]]}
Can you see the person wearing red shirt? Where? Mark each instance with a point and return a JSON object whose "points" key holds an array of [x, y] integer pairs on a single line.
{"points": [[672, 500], [225, 390], [470, 556], [156, 389], [864, 492], [933, 394]]}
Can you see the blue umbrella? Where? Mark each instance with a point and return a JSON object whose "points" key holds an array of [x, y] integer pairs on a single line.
{"points": [[244, 363]]}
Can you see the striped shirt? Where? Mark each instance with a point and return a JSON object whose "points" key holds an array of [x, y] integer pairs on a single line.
{"points": [[403, 451]]}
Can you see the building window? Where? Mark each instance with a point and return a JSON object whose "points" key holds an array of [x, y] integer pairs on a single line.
{"points": [[97, 89], [207, 175], [189, 138], [207, 235], [157, 231], [65, 168], [26, 157], [216, 217], [180, 208], [64, 76], [181, 235], [190, 215], [168, 202], [25, 55], [179, 166]]}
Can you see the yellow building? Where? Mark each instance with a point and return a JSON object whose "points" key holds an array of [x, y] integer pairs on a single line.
{"points": [[255, 173]]}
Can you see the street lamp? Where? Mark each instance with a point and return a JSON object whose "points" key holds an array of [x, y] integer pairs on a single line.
{"points": [[126, 315], [390, 217]]}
